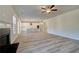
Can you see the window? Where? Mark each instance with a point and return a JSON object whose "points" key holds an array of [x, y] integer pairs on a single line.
{"points": [[14, 25]]}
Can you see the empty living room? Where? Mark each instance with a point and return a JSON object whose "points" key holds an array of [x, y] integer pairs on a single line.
{"points": [[39, 28]]}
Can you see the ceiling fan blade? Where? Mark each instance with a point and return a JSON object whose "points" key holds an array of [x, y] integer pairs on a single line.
{"points": [[43, 8], [47, 6], [52, 6], [54, 9]]}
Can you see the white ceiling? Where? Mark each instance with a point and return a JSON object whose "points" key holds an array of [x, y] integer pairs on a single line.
{"points": [[33, 12]]}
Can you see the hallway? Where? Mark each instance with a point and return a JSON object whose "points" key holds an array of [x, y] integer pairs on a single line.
{"points": [[41, 42]]}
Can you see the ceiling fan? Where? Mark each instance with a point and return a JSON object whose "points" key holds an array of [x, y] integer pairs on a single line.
{"points": [[48, 8]]}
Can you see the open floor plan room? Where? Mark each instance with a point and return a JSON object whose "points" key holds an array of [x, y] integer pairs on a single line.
{"points": [[39, 28]]}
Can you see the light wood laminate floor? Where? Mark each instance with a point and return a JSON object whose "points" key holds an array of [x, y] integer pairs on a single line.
{"points": [[41, 42]]}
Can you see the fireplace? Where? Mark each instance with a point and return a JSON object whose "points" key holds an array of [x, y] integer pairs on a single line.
{"points": [[4, 36], [5, 45]]}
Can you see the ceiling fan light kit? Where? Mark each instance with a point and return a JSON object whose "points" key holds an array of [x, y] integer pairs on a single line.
{"points": [[48, 11]]}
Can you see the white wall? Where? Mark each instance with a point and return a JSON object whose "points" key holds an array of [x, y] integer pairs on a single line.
{"points": [[66, 24], [26, 26], [18, 26], [6, 17]]}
